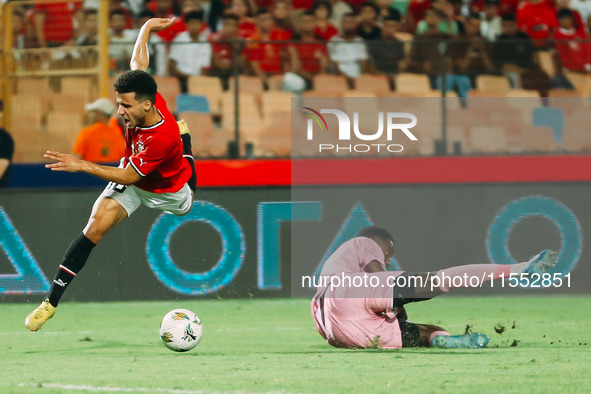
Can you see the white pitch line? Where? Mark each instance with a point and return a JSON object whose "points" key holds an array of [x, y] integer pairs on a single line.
{"points": [[26, 332], [110, 389]]}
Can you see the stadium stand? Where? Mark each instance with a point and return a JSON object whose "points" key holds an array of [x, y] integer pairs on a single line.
{"points": [[248, 85], [206, 130], [415, 84], [211, 87], [192, 103], [492, 83], [330, 85], [45, 90], [376, 84]]}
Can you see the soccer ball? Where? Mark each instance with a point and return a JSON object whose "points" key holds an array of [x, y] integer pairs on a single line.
{"points": [[181, 330]]}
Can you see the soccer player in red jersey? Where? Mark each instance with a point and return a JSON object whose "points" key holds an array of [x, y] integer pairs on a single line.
{"points": [[153, 171]]}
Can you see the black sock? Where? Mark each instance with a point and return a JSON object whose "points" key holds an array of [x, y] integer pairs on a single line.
{"points": [[407, 294], [74, 260], [188, 154]]}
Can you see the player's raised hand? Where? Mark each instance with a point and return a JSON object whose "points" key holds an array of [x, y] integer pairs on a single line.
{"points": [[158, 24], [63, 162]]}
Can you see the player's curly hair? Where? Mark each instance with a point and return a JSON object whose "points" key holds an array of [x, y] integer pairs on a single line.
{"points": [[376, 232], [139, 82]]}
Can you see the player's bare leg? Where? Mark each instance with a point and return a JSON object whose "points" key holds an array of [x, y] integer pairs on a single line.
{"points": [[434, 284], [106, 213]]}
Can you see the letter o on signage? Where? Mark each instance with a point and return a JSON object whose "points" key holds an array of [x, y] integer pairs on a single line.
{"points": [[497, 239], [181, 281]]}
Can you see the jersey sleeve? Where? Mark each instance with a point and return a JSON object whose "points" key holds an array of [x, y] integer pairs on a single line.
{"points": [[154, 153], [368, 250], [162, 106]]}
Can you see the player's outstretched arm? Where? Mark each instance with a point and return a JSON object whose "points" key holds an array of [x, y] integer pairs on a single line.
{"points": [[140, 58], [69, 163]]}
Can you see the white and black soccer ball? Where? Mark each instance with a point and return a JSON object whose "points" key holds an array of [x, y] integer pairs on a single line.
{"points": [[181, 330]]}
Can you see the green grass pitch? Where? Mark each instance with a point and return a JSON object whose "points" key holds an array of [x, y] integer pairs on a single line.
{"points": [[271, 345]]}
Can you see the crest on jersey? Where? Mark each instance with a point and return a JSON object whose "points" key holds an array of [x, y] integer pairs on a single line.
{"points": [[137, 147]]}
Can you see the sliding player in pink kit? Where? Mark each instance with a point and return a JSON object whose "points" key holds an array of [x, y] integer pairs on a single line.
{"points": [[157, 170], [371, 314]]}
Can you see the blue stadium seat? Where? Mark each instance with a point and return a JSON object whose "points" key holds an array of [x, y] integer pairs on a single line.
{"points": [[552, 118], [191, 103]]}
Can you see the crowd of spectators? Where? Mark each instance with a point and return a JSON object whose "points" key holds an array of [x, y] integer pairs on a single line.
{"points": [[303, 38]]}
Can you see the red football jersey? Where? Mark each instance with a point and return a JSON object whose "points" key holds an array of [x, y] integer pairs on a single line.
{"points": [[268, 54], [310, 54], [573, 49], [537, 20], [156, 153]]}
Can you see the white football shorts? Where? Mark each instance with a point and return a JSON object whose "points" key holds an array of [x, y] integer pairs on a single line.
{"points": [[131, 197]]}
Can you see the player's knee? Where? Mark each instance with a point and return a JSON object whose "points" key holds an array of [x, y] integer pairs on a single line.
{"points": [[95, 233], [107, 216], [97, 227]]}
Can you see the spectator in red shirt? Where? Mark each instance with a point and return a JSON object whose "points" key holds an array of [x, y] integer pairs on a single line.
{"points": [[538, 19], [312, 57], [241, 8], [574, 52], [54, 23], [323, 10], [224, 45], [268, 58], [164, 9], [579, 25]]}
